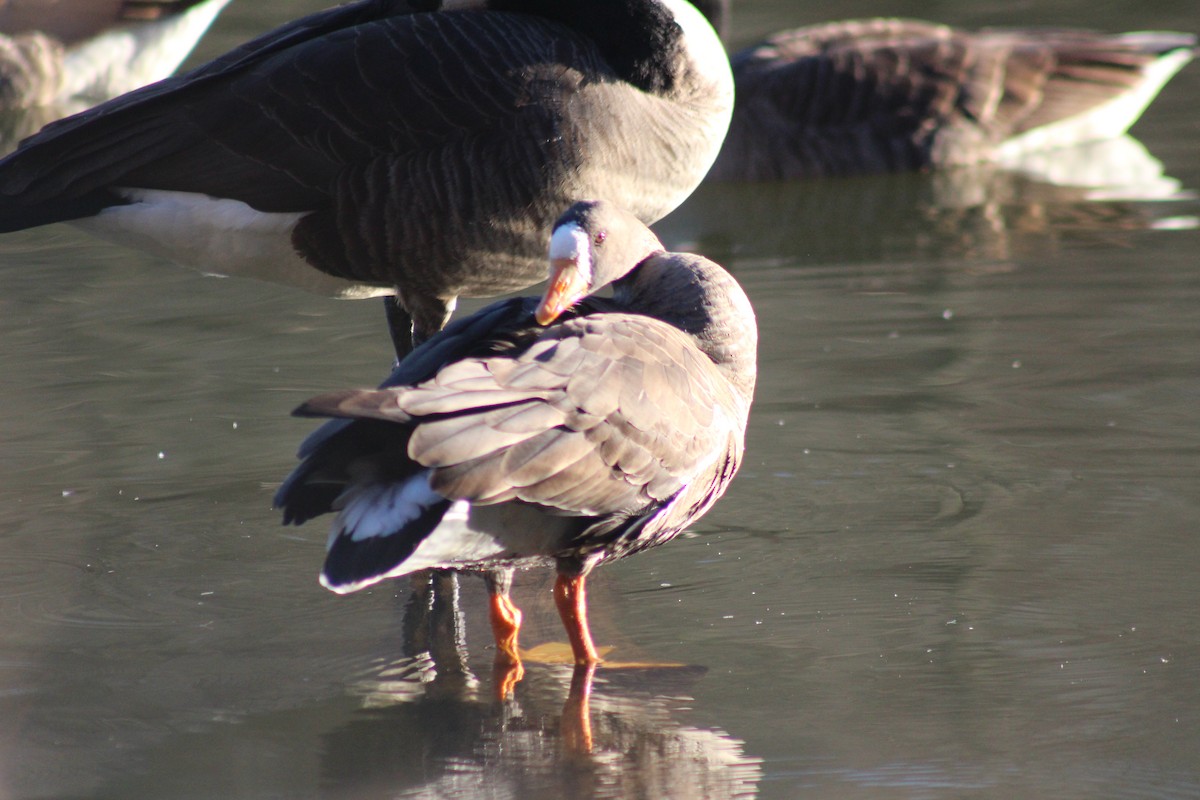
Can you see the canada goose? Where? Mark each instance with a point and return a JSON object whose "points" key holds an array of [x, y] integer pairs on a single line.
{"points": [[886, 95], [570, 431], [53, 52], [423, 151]]}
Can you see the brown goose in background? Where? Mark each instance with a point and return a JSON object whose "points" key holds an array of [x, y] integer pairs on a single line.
{"points": [[54, 52], [425, 151], [506, 440], [887, 95]]}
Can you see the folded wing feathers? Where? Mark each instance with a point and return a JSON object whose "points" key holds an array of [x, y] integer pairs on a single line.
{"points": [[356, 404], [457, 439], [475, 383], [597, 392], [628, 425], [624, 426], [470, 75], [115, 146]]}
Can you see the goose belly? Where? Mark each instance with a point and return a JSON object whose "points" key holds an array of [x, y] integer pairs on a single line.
{"points": [[217, 236], [478, 535]]}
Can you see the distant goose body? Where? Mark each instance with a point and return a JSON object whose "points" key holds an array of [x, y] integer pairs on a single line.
{"points": [[422, 150], [507, 441], [887, 95], [56, 52]]}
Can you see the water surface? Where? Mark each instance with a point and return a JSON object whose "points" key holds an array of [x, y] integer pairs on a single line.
{"points": [[960, 560]]}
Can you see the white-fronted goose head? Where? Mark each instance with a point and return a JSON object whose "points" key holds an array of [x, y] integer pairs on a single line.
{"points": [[425, 150], [887, 95], [55, 52], [569, 431]]}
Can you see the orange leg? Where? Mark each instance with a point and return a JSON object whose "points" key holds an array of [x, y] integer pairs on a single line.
{"points": [[506, 624], [571, 598], [507, 670]]}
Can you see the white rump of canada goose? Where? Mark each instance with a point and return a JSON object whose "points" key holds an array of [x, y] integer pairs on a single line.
{"points": [[60, 52], [567, 432], [422, 151], [886, 95]]}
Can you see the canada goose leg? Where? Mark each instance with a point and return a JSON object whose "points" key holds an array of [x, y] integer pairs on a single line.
{"points": [[429, 315], [505, 617], [400, 326], [412, 318], [570, 596], [576, 724]]}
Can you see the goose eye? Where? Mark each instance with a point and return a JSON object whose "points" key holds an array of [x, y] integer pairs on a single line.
{"points": [[599, 238]]}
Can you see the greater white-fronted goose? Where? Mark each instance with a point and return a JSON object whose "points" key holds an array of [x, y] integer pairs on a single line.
{"points": [[426, 150], [568, 431], [886, 95], [53, 52]]}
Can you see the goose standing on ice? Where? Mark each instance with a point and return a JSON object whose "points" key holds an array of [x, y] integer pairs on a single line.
{"points": [[566, 432], [426, 151]]}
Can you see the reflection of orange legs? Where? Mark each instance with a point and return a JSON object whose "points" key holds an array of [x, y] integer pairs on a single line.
{"points": [[505, 677], [506, 624], [577, 712], [571, 599]]}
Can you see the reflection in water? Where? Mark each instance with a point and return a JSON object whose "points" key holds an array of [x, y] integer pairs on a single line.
{"points": [[983, 212], [563, 732], [425, 724], [443, 747], [437, 745]]}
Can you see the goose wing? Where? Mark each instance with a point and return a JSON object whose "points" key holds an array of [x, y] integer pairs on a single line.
{"points": [[275, 123], [604, 415], [328, 452]]}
